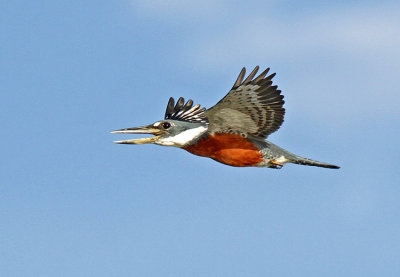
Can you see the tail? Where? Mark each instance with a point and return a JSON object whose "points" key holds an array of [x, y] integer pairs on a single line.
{"points": [[287, 157], [305, 161]]}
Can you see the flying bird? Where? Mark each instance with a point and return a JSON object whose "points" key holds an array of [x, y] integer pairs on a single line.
{"points": [[232, 132]]}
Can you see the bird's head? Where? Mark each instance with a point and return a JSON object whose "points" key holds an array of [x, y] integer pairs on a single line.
{"points": [[166, 132], [183, 124]]}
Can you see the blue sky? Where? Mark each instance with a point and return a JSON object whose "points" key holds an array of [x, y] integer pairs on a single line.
{"points": [[74, 204]]}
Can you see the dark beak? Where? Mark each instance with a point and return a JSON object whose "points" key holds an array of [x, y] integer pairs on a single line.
{"points": [[139, 130]]}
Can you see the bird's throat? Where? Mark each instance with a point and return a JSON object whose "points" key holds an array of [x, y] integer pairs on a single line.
{"points": [[183, 138]]}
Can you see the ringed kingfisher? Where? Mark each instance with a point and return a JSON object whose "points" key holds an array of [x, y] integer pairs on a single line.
{"points": [[232, 132]]}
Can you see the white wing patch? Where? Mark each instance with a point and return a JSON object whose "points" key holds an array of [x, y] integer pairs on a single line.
{"points": [[183, 138]]}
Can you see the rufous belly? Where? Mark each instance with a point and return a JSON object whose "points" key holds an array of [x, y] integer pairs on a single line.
{"points": [[230, 149]]}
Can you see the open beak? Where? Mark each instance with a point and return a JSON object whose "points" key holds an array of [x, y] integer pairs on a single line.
{"points": [[139, 130]]}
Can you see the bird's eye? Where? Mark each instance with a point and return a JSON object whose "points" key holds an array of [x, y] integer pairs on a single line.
{"points": [[166, 125]]}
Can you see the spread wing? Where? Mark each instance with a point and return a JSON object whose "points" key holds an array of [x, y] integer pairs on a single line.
{"points": [[252, 107]]}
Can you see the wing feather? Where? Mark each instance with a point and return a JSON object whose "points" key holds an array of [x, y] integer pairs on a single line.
{"points": [[253, 107], [185, 111], [251, 76], [240, 78]]}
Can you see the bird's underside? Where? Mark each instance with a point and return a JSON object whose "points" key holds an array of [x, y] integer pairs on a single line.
{"points": [[232, 132], [236, 150]]}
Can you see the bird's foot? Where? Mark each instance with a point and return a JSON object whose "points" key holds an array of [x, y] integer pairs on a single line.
{"points": [[275, 164]]}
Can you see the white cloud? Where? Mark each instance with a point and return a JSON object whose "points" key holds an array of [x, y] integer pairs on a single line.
{"points": [[345, 58], [358, 32], [357, 50], [224, 32]]}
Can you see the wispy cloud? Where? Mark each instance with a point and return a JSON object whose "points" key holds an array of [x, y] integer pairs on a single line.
{"points": [[359, 32], [357, 46], [228, 32]]}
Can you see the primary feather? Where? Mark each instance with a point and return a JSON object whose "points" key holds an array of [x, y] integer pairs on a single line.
{"points": [[253, 107]]}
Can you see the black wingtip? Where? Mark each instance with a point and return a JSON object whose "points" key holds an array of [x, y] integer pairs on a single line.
{"points": [[270, 77], [170, 106], [250, 79], [185, 111]]}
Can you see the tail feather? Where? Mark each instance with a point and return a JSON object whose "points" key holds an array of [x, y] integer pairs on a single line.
{"points": [[305, 161]]}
